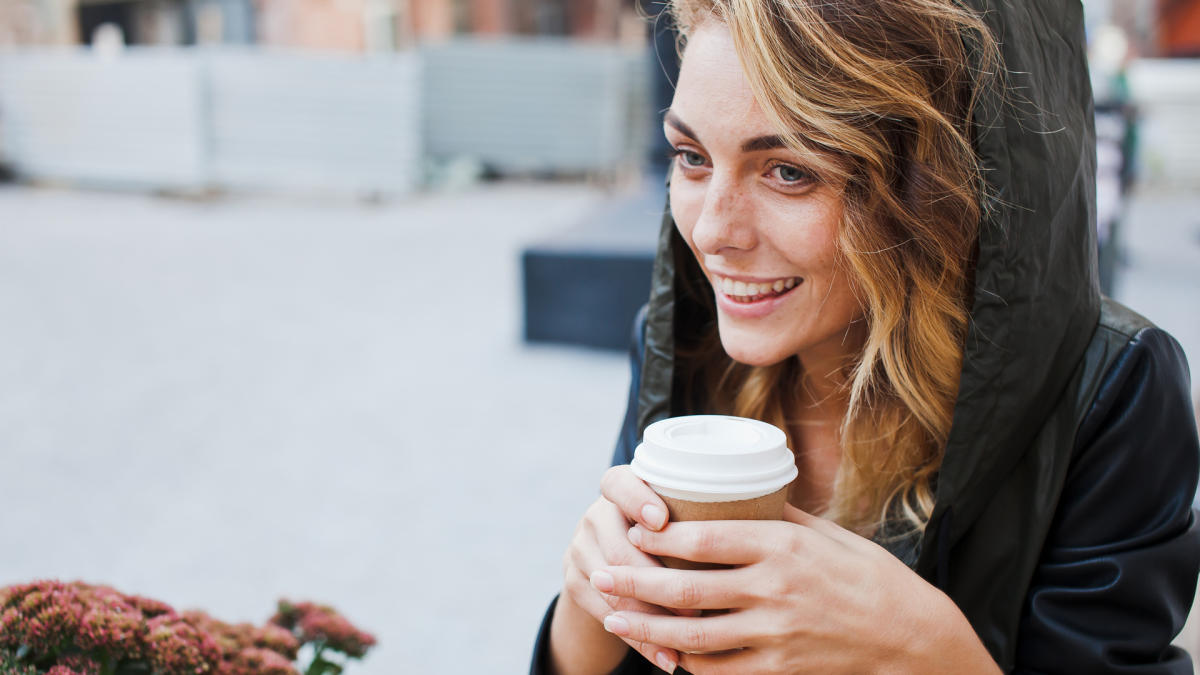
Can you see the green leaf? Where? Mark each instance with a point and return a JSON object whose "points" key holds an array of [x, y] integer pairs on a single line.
{"points": [[132, 668], [10, 664], [320, 666]]}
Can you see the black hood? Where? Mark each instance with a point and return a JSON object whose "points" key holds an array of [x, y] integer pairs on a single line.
{"points": [[1037, 299]]}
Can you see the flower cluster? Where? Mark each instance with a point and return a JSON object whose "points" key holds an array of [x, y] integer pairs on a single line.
{"points": [[247, 649], [56, 628], [324, 626]]}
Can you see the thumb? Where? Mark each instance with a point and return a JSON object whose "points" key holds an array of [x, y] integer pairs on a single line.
{"points": [[803, 518], [800, 517]]}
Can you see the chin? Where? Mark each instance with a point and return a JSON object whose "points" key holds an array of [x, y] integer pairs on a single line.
{"points": [[752, 350]]}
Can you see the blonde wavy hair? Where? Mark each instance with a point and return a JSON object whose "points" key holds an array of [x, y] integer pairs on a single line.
{"points": [[884, 89]]}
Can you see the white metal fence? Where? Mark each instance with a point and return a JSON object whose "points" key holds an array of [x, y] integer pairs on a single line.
{"points": [[134, 121], [534, 105], [249, 118], [1167, 95], [296, 120]]}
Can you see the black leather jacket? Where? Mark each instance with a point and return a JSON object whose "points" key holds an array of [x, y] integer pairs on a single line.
{"points": [[1062, 525], [1115, 557]]}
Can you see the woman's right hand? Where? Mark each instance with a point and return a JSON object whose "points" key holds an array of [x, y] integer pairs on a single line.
{"points": [[602, 539]]}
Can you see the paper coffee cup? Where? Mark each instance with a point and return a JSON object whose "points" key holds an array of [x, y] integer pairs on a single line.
{"points": [[716, 467]]}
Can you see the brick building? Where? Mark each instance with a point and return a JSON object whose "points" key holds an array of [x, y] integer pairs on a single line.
{"points": [[353, 25], [1179, 28]]}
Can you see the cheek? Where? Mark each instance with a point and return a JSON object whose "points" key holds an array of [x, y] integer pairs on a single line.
{"points": [[807, 237], [686, 204]]}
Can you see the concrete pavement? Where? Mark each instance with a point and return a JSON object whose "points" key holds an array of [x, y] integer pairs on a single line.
{"points": [[219, 404], [223, 403]]}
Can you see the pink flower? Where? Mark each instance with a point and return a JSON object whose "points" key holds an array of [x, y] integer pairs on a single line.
{"points": [[318, 623], [74, 628], [43, 615], [233, 638], [177, 647], [149, 607], [255, 661], [112, 625], [79, 663]]}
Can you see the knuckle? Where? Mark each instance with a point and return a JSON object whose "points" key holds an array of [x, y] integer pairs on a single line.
{"points": [[775, 587], [775, 663], [695, 638], [794, 545], [620, 557], [575, 584], [621, 604], [685, 593], [640, 631], [625, 585], [610, 479], [703, 541]]}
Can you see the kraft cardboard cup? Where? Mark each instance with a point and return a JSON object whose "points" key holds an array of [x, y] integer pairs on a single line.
{"points": [[716, 467]]}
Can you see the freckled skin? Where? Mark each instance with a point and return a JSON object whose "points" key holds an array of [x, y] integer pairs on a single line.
{"points": [[742, 213]]}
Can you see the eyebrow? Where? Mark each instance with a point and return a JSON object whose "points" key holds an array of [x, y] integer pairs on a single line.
{"points": [[756, 144]]}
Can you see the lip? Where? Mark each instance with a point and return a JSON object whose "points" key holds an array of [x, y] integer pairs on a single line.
{"points": [[749, 310]]}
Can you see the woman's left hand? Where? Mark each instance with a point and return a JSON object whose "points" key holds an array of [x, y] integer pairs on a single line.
{"points": [[805, 595]]}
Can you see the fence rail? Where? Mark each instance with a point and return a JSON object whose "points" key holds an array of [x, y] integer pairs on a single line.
{"points": [[1167, 94], [249, 118]]}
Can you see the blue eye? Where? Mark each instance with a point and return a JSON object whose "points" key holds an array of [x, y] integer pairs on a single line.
{"points": [[689, 158], [792, 174]]}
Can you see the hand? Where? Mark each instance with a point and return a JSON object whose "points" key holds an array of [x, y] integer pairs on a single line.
{"points": [[804, 596], [600, 540]]}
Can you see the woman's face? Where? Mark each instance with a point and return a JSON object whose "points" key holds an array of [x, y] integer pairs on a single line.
{"points": [[763, 229]]}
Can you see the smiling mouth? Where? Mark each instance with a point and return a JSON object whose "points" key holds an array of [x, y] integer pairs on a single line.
{"points": [[748, 292]]}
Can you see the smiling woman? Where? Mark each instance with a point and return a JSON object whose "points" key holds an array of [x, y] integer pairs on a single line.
{"points": [[880, 240]]}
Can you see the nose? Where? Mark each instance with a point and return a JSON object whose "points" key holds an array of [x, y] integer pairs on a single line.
{"points": [[726, 219]]}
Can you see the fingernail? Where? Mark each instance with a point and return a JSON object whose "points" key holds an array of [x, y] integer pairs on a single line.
{"points": [[635, 536], [654, 516], [616, 625], [664, 662], [602, 581]]}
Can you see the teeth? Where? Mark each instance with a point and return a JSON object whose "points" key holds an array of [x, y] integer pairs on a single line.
{"points": [[752, 289]]}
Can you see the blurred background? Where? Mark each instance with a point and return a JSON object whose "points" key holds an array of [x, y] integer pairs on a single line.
{"points": [[329, 299]]}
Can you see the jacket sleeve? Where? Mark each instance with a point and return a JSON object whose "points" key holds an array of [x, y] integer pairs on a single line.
{"points": [[1116, 579], [633, 664], [628, 439]]}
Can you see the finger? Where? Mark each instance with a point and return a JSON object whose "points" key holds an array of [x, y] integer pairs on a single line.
{"points": [[635, 499], [683, 589], [828, 528], [582, 562], [734, 662], [580, 589], [724, 542], [683, 634], [594, 604], [610, 530]]}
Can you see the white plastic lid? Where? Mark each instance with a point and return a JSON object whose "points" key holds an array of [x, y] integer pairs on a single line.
{"points": [[726, 457]]}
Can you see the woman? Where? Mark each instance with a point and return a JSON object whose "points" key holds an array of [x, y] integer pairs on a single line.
{"points": [[884, 246]]}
